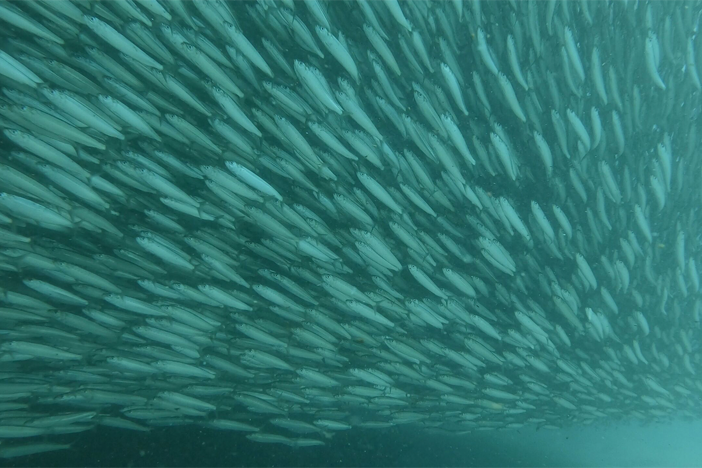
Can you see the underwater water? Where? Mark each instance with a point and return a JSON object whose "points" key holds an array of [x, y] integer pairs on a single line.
{"points": [[663, 444], [350, 233]]}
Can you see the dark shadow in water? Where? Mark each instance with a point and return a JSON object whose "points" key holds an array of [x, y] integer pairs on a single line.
{"points": [[192, 447], [624, 445]]}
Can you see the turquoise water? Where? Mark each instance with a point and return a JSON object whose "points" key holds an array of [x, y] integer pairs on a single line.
{"points": [[625, 445], [373, 233]]}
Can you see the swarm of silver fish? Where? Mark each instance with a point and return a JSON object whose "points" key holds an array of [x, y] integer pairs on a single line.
{"points": [[296, 218]]}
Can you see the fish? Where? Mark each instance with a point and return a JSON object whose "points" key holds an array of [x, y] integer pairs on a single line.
{"points": [[300, 220]]}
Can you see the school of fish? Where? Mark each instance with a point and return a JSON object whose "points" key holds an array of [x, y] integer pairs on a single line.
{"points": [[293, 218]]}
